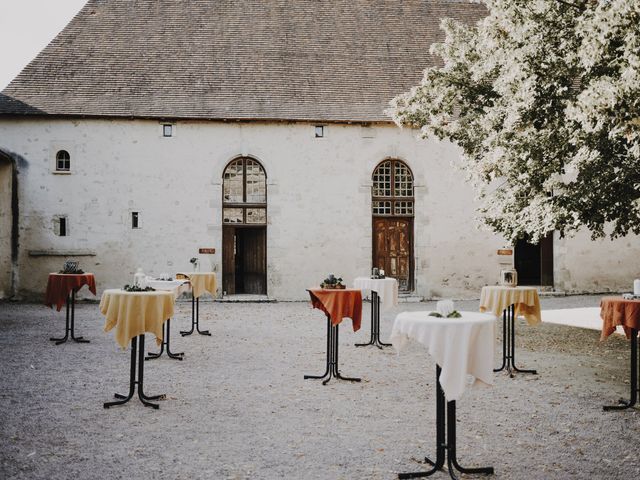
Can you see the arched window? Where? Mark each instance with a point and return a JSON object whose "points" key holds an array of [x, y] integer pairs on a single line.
{"points": [[63, 161], [244, 193], [392, 193]]}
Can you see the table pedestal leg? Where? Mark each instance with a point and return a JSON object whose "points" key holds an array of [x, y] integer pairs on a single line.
{"points": [[70, 321], [332, 357], [132, 378], [166, 341], [445, 439], [509, 343], [633, 395], [195, 319], [375, 324]]}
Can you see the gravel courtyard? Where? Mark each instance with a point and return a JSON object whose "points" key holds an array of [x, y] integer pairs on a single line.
{"points": [[237, 407]]}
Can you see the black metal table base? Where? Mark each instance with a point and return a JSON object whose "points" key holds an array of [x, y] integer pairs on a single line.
{"points": [[332, 357], [166, 329], [445, 440], [70, 321], [375, 324], [633, 380], [509, 343], [132, 378], [195, 319]]}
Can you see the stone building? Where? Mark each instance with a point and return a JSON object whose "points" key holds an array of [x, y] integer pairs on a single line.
{"points": [[149, 129]]}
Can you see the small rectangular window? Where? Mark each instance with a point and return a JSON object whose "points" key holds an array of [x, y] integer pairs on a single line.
{"points": [[135, 218], [319, 131], [60, 226], [167, 130]]}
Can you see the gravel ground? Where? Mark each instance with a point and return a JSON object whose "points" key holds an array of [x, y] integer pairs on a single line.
{"points": [[238, 407]]}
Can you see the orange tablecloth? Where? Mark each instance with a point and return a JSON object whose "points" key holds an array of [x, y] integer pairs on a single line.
{"points": [[59, 287], [339, 304], [619, 311], [134, 313], [495, 299]]}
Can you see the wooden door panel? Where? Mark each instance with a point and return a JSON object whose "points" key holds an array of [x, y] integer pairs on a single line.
{"points": [[255, 260], [392, 249], [228, 260]]}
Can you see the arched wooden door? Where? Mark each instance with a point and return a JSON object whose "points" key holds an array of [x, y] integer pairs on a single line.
{"points": [[244, 228], [393, 213]]}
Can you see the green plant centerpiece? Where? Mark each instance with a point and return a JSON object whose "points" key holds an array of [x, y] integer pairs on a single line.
{"points": [[332, 282], [136, 288], [454, 314], [71, 267]]}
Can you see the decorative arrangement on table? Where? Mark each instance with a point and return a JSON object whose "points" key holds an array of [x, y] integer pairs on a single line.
{"points": [[195, 262], [377, 273], [332, 283], [509, 277], [71, 267], [445, 309], [636, 291], [165, 277], [136, 288], [139, 283]]}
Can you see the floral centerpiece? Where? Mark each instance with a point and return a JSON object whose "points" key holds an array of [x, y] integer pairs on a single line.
{"points": [[194, 262], [331, 282]]}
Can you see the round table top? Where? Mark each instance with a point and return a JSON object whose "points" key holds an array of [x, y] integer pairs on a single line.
{"points": [[460, 346], [120, 291]]}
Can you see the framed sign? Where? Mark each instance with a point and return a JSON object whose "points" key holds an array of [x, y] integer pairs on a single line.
{"points": [[209, 251]]}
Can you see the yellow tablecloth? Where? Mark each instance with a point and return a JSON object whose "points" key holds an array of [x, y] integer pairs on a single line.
{"points": [[134, 313], [495, 299], [202, 282]]}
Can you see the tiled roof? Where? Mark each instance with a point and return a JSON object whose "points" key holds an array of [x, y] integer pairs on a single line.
{"points": [[333, 60]]}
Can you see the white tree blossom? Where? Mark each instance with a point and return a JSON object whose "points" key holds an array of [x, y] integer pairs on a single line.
{"points": [[543, 97]]}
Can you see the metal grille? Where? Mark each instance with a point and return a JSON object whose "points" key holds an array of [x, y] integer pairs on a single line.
{"points": [[381, 208], [403, 181], [382, 180], [403, 208], [392, 179]]}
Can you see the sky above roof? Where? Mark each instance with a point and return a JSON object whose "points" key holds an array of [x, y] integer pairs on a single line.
{"points": [[26, 27]]}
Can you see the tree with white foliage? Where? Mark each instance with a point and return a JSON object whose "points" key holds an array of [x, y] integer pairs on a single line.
{"points": [[543, 98]]}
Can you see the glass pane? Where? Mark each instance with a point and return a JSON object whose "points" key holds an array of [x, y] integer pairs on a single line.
{"points": [[382, 180], [232, 215], [233, 179], [257, 215], [256, 183], [381, 208], [403, 184], [63, 160], [403, 208]]}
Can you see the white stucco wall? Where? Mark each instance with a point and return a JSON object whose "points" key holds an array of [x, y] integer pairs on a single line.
{"points": [[319, 205]]}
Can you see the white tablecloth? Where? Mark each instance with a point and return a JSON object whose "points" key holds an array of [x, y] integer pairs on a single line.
{"points": [[178, 287], [461, 346], [386, 288]]}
